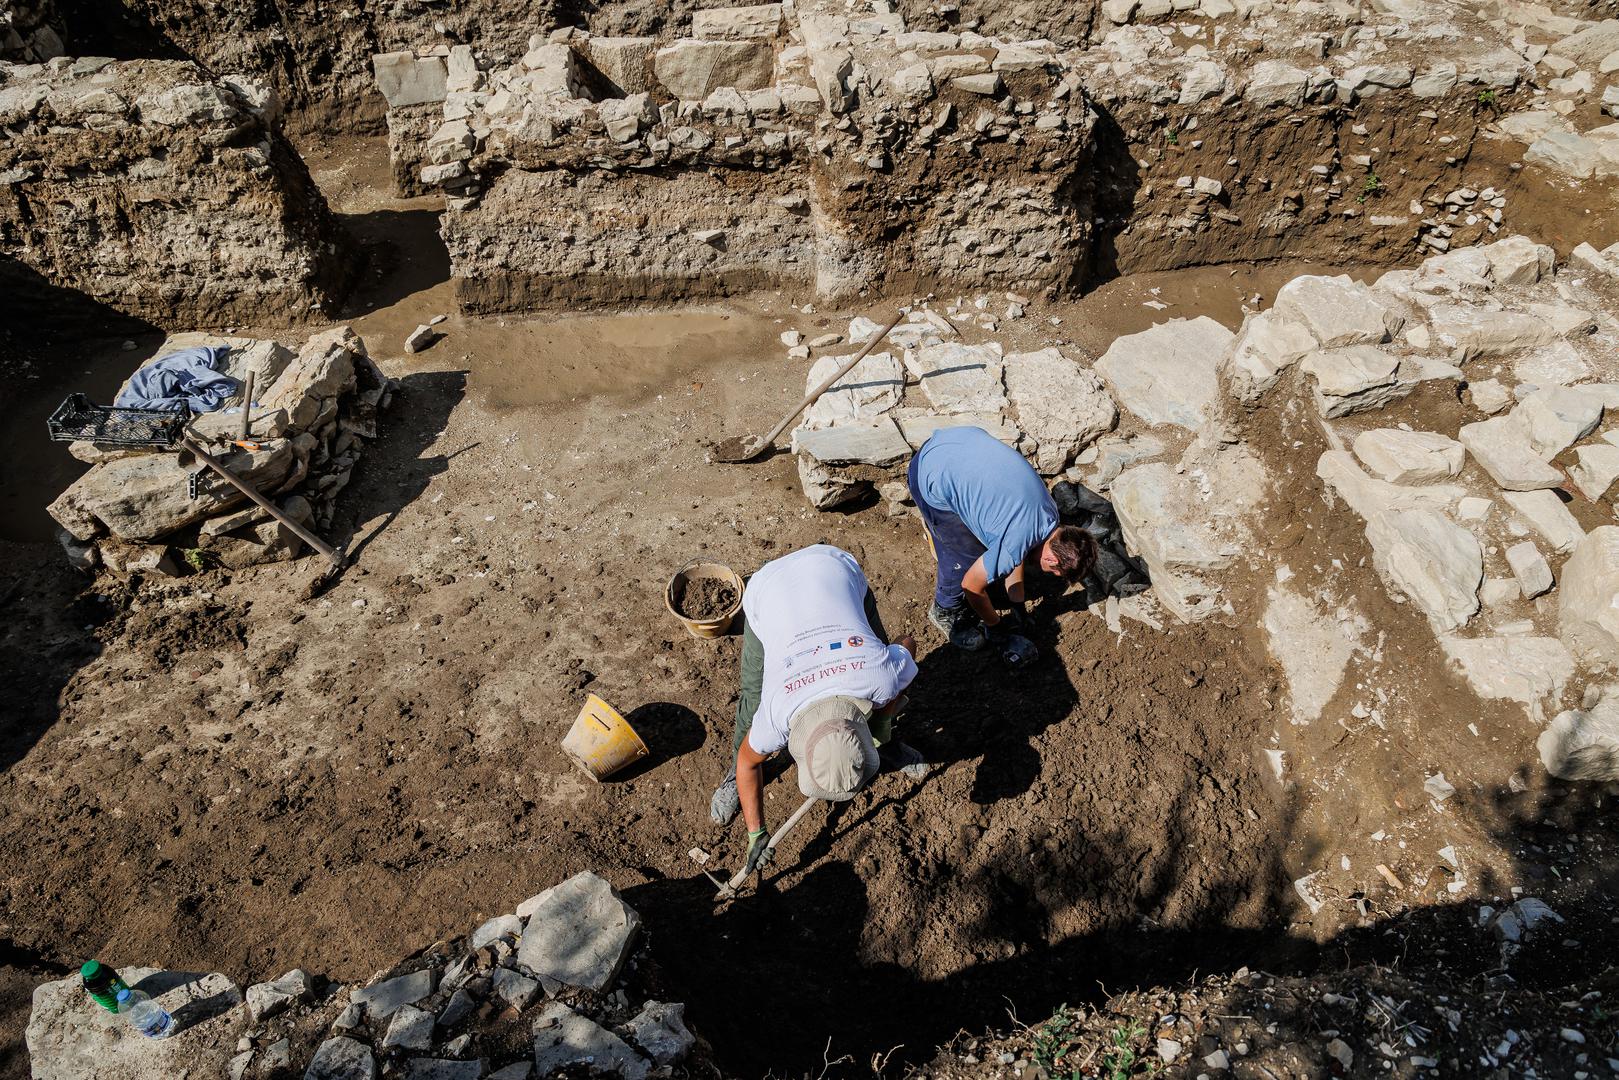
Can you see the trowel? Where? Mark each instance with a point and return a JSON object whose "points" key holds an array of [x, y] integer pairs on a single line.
{"points": [[741, 448]]}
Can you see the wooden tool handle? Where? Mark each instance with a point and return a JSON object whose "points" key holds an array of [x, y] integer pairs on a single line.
{"points": [[810, 398], [742, 875], [264, 504]]}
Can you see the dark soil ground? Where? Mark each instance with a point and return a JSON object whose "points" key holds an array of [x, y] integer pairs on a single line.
{"points": [[213, 774], [706, 599]]}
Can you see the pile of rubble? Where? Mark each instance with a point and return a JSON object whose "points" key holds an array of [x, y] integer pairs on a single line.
{"points": [[30, 31], [161, 192], [524, 995], [313, 411]]}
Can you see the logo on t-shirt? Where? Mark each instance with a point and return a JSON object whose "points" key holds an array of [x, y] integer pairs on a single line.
{"points": [[856, 641], [834, 645]]}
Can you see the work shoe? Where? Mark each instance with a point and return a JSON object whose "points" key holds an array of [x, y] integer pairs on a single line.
{"points": [[897, 756], [960, 624], [725, 804]]}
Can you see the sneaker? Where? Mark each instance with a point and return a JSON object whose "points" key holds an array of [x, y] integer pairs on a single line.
{"points": [[725, 804], [902, 757], [960, 624]]}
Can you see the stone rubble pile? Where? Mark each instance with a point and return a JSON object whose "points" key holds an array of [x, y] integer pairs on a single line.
{"points": [[551, 978], [30, 31], [1501, 532], [161, 192], [313, 412]]}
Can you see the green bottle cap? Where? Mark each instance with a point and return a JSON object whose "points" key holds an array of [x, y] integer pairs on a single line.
{"points": [[90, 970]]}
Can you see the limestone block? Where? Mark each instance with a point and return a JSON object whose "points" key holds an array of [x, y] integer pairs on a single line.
{"points": [[1170, 373], [870, 389], [1339, 311], [403, 79], [1437, 565], [462, 74], [1595, 470], [267, 999], [878, 444], [581, 933], [409, 1028], [1353, 379], [1588, 600], [1409, 457], [1274, 82], [1369, 496], [959, 378], [322, 370], [1265, 346], [1584, 744], [342, 1058], [563, 1037], [913, 83], [1502, 448], [1518, 260], [659, 1029], [1200, 80], [1062, 406], [1548, 516], [1556, 418], [69, 1037], [383, 999], [1589, 46], [1558, 364], [761, 21], [1528, 670], [1435, 82], [691, 69], [1530, 567], [832, 68], [1565, 153], [624, 61], [917, 429]]}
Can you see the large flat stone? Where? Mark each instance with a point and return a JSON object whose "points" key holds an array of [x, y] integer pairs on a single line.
{"points": [[758, 22], [1409, 457], [1369, 496], [342, 1058], [403, 79], [1353, 379], [1265, 346], [691, 69], [1312, 645], [1518, 260], [69, 1037], [871, 388], [1061, 405], [383, 999], [1471, 332], [878, 443], [1528, 670], [959, 378], [1588, 599], [1556, 418], [918, 428], [1338, 310], [562, 1038], [1170, 373], [1437, 565], [1547, 515], [1595, 469], [582, 933], [624, 61], [1502, 448]]}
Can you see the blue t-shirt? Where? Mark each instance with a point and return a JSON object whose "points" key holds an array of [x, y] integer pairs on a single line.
{"points": [[992, 489]]}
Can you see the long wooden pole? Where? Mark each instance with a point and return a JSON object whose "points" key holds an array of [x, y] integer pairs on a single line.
{"points": [[810, 398], [264, 504]]}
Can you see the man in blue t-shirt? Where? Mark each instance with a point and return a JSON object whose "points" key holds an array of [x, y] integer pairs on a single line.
{"points": [[989, 518]]}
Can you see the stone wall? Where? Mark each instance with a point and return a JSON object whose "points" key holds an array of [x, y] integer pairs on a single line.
{"points": [[163, 193]]}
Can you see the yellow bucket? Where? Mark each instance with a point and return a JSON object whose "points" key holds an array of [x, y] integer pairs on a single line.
{"points": [[698, 571], [601, 742]]}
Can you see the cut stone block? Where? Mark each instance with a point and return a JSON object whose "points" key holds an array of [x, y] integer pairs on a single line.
{"points": [[385, 998], [1518, 260], [624, 61], [1502, 449], [1369, 496], [919, 428], [1436, 564], [562, 1038], [691, 69], [1170, 373], [959, 378], [1062, 406], [1471, 332], [582, 933], [1339, 311], [759, 22], [1588, 601], [1548, 516], [1409, 457], [1530, 567], [404, 79], [1353, 379]]}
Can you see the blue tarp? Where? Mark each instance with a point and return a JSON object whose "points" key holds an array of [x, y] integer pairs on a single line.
{"points": [[184, 380]]}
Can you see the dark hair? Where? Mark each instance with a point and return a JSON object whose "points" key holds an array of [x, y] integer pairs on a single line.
{"points": [[1075, 551]]}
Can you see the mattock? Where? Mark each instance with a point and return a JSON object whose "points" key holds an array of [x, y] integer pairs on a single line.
{"points": [[728, 889]]}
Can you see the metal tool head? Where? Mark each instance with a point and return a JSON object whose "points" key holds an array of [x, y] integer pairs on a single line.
{"points": [[736, 450]]}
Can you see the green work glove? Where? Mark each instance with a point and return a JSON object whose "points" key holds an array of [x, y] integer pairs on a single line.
{"points": [[759, 850]]}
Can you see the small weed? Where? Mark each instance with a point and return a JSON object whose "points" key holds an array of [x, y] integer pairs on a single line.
{"points": [[196, 558], [1372, 188], [1172, 137], [1486, 97], [1119, 1061], [1052, 1041]]}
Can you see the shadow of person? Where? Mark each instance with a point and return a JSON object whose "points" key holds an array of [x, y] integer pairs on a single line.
{"points": [[393, 473]]}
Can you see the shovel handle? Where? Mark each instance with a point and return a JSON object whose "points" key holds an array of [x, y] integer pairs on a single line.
{"points": [[811, 397], [775, 838], [264, 504]]}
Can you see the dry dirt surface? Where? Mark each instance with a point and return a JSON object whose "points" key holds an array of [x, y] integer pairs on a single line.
{"points": [[217, 774]]}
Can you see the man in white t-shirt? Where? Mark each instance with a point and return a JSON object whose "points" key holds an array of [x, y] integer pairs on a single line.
{"points": [[819, 680]]}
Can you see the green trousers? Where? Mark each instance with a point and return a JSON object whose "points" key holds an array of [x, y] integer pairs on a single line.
{"points": [[753, 680]]}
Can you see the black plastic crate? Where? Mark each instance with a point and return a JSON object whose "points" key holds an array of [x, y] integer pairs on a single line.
{"points": [[109, 425]]}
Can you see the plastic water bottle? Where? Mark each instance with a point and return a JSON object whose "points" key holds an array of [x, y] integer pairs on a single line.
{"points": [[145, 1015]]}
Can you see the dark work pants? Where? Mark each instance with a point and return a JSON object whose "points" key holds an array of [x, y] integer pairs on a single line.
{"points": [[955, 548]]}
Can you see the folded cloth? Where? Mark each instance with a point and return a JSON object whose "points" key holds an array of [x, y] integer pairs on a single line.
{"points": [[184, 380]]}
